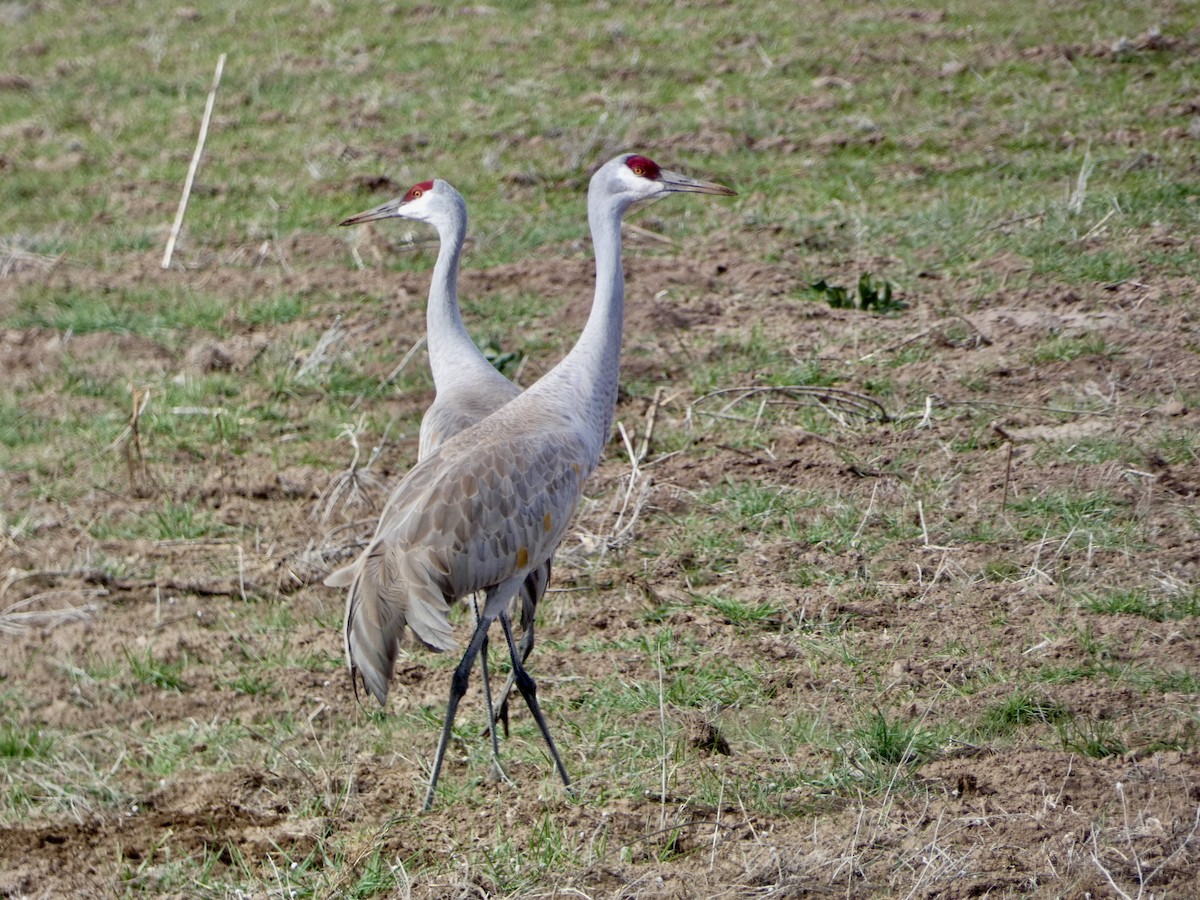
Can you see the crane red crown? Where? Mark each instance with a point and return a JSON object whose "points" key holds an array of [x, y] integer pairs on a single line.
{"points": [[643, 167], [417, 190]]}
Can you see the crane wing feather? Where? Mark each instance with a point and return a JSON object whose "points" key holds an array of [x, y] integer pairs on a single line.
{"points": [[484, 507]]}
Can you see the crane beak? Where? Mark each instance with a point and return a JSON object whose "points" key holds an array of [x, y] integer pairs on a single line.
{"points": [[674, 182], [387, 210]]}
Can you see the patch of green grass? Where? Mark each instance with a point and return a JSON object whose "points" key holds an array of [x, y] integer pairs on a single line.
{"points": [[1090, 451], [172, 521], [1066, 348], [1067, 674], [1139, 602], [1002, 570], [734, 355], [513, 867], [253, 685], [893, 742], [714, 682], [1180, 681], [160, 674], [144, 312], [19, 427], [378, 876], [507, 314], [841, 524], [1019, 710], [1179, 447], [22, 742], [765, 614], [1096, 515], [276, 310], [1097, 738]]}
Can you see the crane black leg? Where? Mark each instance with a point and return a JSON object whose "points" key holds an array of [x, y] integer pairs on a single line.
{"points": [[458, 687], [497, 768], [534, 585], [528, 690]]}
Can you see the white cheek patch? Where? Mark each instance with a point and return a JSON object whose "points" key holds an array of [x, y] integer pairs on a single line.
{"points": [[634, 182]]}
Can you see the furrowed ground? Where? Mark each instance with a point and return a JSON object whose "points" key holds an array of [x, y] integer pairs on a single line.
{"points": [[890, 587]]}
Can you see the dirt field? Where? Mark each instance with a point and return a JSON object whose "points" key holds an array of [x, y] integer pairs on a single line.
{"points": [[985, 821], [937, 635]]}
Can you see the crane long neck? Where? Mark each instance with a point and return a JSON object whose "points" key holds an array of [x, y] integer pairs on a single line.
{"points": [[592, 367], [449, 343]]}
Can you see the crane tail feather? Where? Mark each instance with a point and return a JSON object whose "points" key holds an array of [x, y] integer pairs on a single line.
{"points": [[376, 618], [343, 577]]}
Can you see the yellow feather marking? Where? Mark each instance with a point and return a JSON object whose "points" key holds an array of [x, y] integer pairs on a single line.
{"points": [[546, 522], [522, 557]]}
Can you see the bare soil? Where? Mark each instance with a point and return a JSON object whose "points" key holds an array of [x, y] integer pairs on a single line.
{"points": [[1031, 818]]}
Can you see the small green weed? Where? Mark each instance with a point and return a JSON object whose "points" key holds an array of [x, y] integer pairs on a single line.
{"points": [[505, 361], [869, 295]]}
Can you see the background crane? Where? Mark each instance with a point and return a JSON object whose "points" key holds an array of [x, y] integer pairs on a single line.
{"points": [[492, 503], [467, 386]]}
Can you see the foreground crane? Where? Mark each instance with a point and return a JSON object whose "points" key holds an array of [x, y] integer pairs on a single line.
{"points": [[492, 503], [467, 387]]}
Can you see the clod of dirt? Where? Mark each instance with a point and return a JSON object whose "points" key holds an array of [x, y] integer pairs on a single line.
{"points": [[707, 738]]}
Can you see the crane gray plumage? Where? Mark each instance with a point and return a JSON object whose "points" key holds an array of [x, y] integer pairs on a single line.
{"points": [[490, 505], [468, 388]]}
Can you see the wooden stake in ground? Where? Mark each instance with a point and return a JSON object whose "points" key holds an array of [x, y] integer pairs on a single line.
{"points": [[191, 175]]}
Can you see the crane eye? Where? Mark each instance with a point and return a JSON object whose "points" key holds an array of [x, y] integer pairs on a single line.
{"points": [[643, 167], [417, 191]]}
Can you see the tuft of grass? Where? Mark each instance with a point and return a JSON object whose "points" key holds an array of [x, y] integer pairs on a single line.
{"points": [[379, 876], [160, 674], [1021, 709], [764, 614], [172, 521], [1139, 602], [277, 310], [1097, 738], [1066, 348], [18, 742], [893, 742]]}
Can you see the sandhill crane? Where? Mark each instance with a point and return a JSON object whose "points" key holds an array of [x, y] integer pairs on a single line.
{"points": [[467, 386], [491, 504]]}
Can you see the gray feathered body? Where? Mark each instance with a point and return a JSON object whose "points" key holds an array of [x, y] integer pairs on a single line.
{"points": [[489, 506]]}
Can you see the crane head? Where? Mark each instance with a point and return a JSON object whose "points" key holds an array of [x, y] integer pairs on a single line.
{"points": [[426, 201], [640, 179]]}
